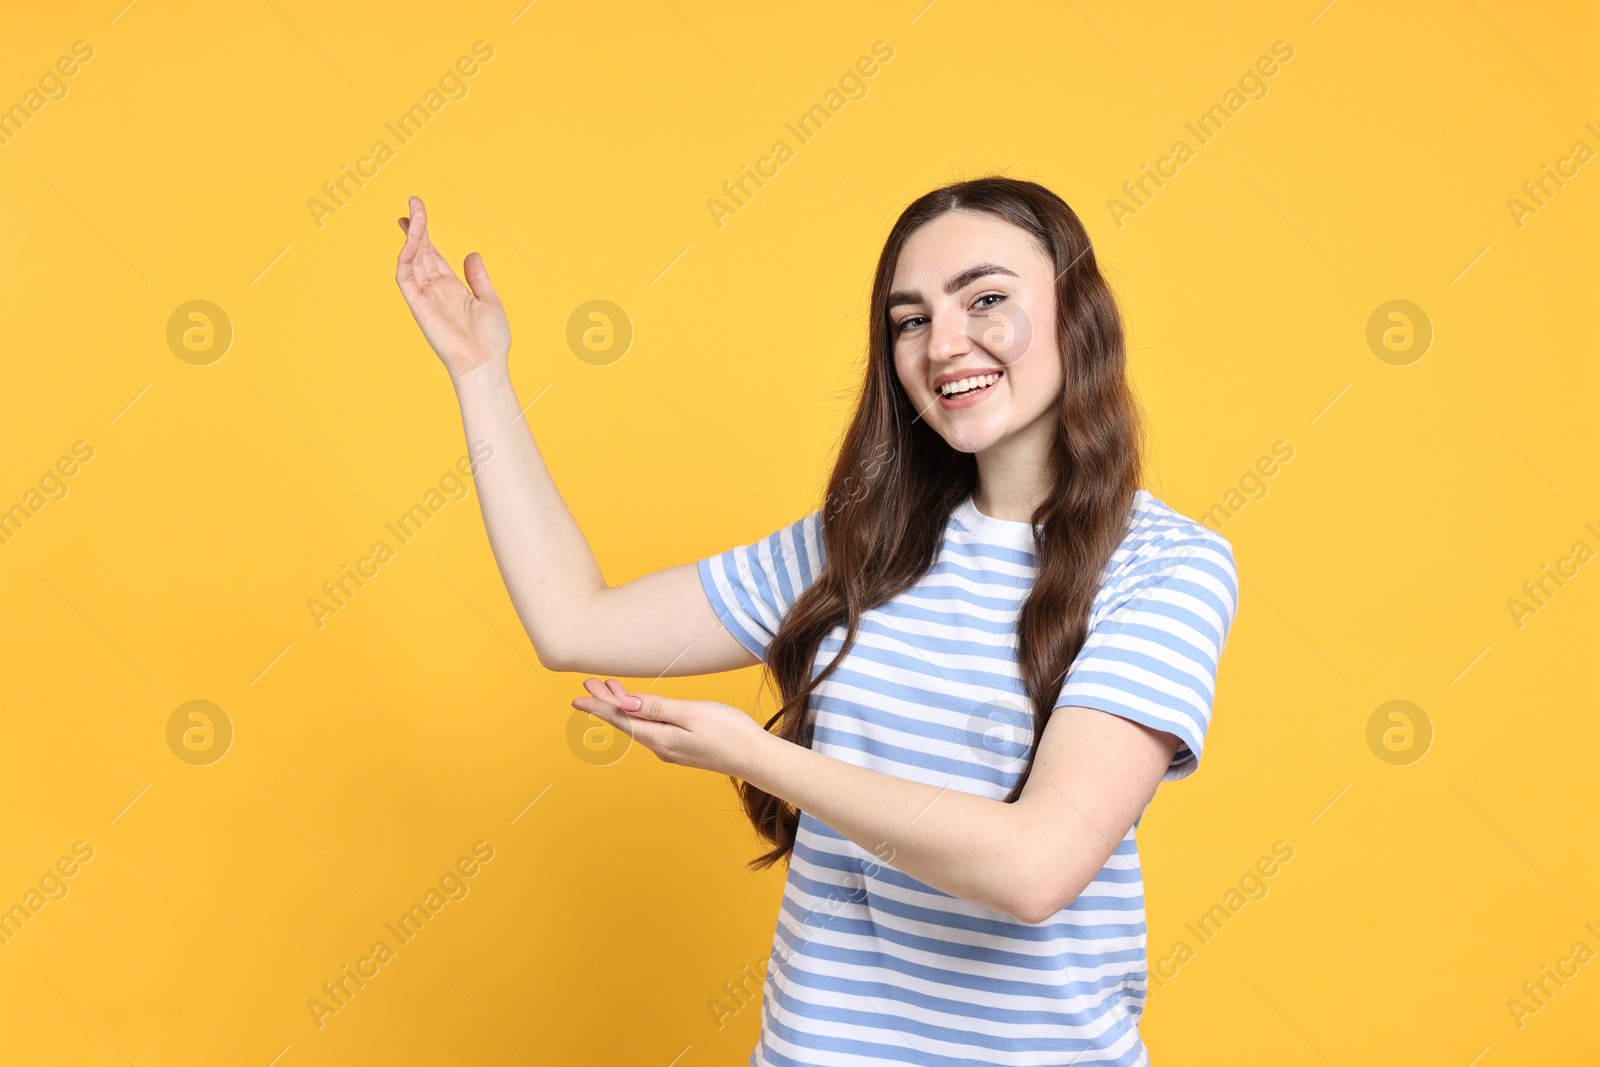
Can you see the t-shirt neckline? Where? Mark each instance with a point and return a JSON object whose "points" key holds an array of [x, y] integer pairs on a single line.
{"points": [[1007, 531], [1003, 531]]}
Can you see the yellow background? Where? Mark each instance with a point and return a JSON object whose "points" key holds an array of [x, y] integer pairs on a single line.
{"points": [[371, 753]]}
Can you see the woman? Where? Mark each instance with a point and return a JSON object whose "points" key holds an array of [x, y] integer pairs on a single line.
{"points": [[990, 644]]}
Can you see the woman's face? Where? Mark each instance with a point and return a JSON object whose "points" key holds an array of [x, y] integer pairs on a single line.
{"points": [[974, 298]]}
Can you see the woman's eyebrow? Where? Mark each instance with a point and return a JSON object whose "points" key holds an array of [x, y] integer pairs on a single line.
{"points": [[960, 281]]}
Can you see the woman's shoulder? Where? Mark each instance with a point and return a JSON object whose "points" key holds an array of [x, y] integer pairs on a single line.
{"points": [[1160, 535]]}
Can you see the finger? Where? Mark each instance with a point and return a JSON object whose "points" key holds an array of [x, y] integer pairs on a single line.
{"points": [[651, 707], [630, 702], [606, 711], [427, 255], [406, 272], [478, 277], [419, 217], [416, 266], [652, 735], [598, 689], [438, 266]]}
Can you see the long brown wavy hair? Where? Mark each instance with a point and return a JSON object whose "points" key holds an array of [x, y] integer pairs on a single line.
{"points": [[896, 481]]}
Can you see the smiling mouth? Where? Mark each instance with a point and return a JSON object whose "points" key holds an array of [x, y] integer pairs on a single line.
{"points": [[965, 387]]}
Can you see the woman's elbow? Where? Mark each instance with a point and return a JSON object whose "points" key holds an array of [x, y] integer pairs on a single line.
{"points": [[1039, 892]]}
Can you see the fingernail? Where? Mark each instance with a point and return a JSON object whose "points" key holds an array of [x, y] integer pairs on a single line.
{"points": [[632, 703]]}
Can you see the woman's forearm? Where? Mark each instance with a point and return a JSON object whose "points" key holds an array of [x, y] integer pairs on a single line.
{"points": [[549, 570], [957, 842]]}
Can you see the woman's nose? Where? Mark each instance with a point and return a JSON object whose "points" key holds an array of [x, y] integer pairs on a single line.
{"points": [[948, 336]]}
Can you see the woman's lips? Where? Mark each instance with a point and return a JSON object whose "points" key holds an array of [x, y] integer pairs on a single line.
{"points": [[969, 398]]}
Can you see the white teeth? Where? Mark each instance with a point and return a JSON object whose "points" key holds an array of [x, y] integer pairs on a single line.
{"points": [[966, 384]]}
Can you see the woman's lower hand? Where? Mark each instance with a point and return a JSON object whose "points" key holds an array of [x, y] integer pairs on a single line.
{"points": [[692, 733]]}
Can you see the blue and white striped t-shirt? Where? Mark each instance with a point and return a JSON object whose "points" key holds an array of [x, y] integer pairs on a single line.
{"points": [[870, 966]]}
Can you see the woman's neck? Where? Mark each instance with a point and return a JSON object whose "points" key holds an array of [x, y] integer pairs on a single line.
{"points": [[1014, 473]]}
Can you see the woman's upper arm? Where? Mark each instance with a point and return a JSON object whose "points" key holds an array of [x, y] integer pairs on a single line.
{"points": [[717, 614], [659, 624]]}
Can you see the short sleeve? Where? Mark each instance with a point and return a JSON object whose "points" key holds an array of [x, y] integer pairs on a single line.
{"points": [[1152, 651], [752, 587]]}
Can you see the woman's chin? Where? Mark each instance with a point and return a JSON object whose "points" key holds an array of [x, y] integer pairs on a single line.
{"points": [[972, 439]]}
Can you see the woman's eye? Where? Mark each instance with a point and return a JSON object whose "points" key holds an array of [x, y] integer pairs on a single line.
{"points": [[907, 322], [996, 297]]}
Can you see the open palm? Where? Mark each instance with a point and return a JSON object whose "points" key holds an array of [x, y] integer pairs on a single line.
{"points": [[466, 327]]}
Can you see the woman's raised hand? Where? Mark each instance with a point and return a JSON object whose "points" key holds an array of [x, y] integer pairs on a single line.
{"points": [[466, 327]]}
